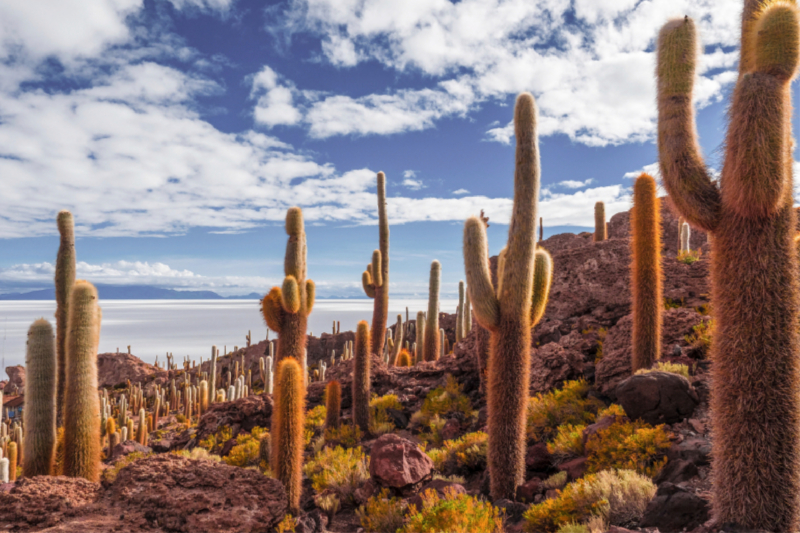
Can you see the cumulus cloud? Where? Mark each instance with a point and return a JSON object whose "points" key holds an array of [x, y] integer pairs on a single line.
{"points": [[574, 184], [275, 101], [461, 191], [581, 60]]}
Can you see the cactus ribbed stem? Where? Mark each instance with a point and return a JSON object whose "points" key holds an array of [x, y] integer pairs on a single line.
{"points": [[431, 346], [754, 406], [287, 430], [11, 449], [333, 404], [40, 400], [361, 377], [460, 312], [64, 280], [81, 402], [507, 311], [599, 222]]}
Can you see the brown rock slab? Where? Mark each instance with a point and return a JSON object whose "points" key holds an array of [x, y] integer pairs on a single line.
{"points": [[398, 463], [657, 397]]}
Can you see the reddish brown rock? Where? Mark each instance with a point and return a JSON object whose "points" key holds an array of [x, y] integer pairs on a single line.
{"points": [[575, 468], [538, 459], [657, 397], [16, 380], [44, 501], [527, 492], [117, 368], [552, 365], [240, 415], [398, 463], [126, 448]]}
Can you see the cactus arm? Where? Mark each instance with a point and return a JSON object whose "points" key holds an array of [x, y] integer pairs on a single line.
{"points": [[290, 295], [311, 294], [366, 282], [377, 274], [479, 278], [294, 261], [272, 309], [682, 167], [517, 275], [542, 277], [756, 175]]}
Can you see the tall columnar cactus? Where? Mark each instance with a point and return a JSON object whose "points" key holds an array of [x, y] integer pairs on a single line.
{"points": [[212, 385], [286, 308], [507, 312], [81, 402], [460, 312], [333, 404], [141, 435], [431, 348], [600, 222], [646, 290], [755, 409], [40, 401], [12, 450], [397, 342], [686, 236], [361, 377], [376, 277], [287, 430], [65, 278], [419, 338]]}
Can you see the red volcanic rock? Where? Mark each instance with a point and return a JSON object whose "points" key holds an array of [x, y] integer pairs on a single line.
{"points": [[574, 468], [116, 368], [398, 463], [552, 365], [44, 501], [16, 380], [173, 493], [240, 415]]}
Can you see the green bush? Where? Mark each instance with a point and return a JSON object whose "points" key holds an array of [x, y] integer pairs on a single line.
{"points": [[663, 366], [382, 514], [465, 453], [701, 337], [110, 474], [246, 450], [456, 513], [619, 497], [445, 400], [338, 469], [568, 442], [346, 435], [570, 405], [556, 481], [214, 443]]}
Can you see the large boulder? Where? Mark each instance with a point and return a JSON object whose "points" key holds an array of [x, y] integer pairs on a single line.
{"points": [[398, 463], [657, 397], [16, 380], [117, 368], [41, 502], [675, 509]]}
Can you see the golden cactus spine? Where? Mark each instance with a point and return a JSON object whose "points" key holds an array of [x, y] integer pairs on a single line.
{"points": [[646, 283], [333, 404], [81, 402], [600, 233], [64, 280], [431, 346], [287, 430], [506, 312], [40, 400], [755, 409], [361, 377], [286, 309]]}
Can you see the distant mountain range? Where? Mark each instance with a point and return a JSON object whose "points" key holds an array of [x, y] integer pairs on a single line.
{"points": [[133, 292]]}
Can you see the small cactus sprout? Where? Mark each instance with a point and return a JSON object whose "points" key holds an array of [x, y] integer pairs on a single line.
{"points": [[361, 377], [333, 404], [65, 279], [600, 222], [431, 348], [11, 449], [686, 235], [646, 274], [287, 430], [40, 400], [130, 433], [403, 359], [375, 278], [81, 402], [460, 312], [506, 310], [286, 308], [4, 470]]}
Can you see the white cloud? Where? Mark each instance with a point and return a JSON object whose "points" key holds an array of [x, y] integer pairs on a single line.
{"points": [[581, 59], [412, 184], [274, 104], [573, 184], [221, 6], [652, 169], [461, 191]]}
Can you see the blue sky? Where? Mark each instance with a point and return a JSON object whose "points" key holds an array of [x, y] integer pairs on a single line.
{"points": [[179, 131]]}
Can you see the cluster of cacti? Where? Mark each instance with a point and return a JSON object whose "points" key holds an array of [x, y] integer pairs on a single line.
{"points": [[375, 278], [431, 342], [286, 309], [755, 409], [600, 231], [64, 280], [361, 377], [646, 290], [81, 402], [507, 311], [40, 400]]}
